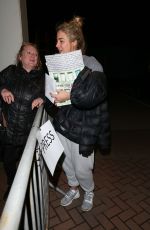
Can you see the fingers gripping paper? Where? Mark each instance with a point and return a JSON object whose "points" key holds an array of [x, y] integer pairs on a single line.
{"points": [[50, 145], [63, 69]]}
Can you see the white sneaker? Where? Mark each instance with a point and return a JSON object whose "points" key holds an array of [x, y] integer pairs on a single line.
{"points": [[69, 197], [87, 204]]}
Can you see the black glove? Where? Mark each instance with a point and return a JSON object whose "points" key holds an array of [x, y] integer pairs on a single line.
{"points": [[86, 150], [85, 154]]}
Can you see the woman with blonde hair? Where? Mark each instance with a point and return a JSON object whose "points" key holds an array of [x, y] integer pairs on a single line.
{"points": [[85, 122]]}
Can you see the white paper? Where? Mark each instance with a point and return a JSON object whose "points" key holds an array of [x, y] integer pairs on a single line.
{"points": [[50, 87], [50, 145], [63, 68]]}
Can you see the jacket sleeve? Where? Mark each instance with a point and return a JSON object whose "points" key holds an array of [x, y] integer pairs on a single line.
{"points": [[104, 137], [89, 89], [40, 85], [4, 77], [43, 87]]}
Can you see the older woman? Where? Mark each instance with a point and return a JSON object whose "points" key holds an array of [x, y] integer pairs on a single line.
{"points": [[22, 91]]}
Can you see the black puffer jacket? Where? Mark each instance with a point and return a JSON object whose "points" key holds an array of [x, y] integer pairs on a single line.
{"points": [[86, 120], [19, 114]]}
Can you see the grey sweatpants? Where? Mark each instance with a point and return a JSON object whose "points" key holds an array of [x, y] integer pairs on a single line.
{"points": [[78, 169]]}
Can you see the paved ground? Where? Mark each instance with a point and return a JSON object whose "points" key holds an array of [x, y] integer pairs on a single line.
{"points": [[122, 179]]}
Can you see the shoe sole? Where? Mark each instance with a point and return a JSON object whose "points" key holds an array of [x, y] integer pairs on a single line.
{"points": [[76, 197], [86, 210]]}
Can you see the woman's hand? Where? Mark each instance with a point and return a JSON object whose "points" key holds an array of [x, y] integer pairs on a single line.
{"points": [[7, 96], [60, 96], [37, 103]]}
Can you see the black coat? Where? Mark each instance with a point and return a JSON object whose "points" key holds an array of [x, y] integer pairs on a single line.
{"points": [[19, 114], [86, 120]]}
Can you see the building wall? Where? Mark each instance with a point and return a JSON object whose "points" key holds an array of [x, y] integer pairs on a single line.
{"points": [[13, 29]]}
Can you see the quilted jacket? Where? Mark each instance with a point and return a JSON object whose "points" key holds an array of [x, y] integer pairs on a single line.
{"points": [[86, 120], [25, 87]]}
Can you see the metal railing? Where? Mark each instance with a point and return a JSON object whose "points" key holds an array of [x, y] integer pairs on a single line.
{"points": [[27, 206]]}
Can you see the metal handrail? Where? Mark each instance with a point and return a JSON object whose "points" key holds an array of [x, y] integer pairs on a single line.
{"points": [[12, 212]]}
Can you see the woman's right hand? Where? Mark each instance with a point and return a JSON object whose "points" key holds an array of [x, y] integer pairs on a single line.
{"points": [[60, 96], [7, 96]]}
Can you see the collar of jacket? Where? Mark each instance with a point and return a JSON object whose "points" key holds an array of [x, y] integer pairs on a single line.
{"points": [[32, 73]]}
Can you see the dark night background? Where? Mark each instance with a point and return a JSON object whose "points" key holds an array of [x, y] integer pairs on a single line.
{"points": [[117, 35]]}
